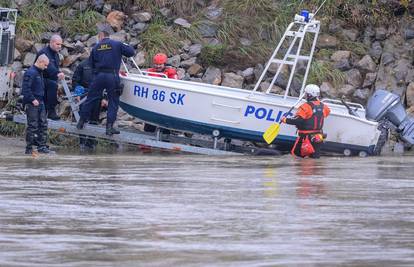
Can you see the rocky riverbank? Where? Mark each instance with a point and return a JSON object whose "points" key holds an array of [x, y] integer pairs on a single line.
{"points": [[356, 54]]}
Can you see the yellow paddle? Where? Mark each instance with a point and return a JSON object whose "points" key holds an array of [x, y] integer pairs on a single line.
{"points": [[270, 134]]}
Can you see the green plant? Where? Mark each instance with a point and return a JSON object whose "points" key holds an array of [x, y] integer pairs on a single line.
{"points": [[5, 3], [160, 38], [34, 19], [358, 48], [9, 128], [324, 71], [83, 22], [212, 54]]}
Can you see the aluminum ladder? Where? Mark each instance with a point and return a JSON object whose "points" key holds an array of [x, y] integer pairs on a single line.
{"points": [[293, 38]]}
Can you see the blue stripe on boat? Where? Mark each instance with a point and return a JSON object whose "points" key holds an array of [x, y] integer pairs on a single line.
{"points": [[282, 142]]}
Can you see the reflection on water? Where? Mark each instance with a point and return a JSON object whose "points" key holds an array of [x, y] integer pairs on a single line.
{"points": [[164, 210]]}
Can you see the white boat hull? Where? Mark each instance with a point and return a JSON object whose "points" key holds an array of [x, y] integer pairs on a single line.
{"points": [[236, 113]]}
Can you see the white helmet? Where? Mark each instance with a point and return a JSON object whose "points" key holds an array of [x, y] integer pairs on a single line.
{"points": [[312, 90]]}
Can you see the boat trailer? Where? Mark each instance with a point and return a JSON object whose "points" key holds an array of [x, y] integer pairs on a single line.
{"points": [[204, 145]]}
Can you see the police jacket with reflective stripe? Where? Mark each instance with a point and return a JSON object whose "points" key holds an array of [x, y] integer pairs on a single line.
{"points": [[33, 86], [107, 54]]}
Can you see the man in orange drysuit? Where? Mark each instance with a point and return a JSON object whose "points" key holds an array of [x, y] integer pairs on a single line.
{"points": [[309, 121]]}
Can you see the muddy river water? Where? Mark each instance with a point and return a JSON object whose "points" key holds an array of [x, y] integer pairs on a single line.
{"points": [[184, 210]]}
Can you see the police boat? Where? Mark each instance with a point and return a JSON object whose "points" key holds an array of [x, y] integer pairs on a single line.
{"points": [[234, 113]]}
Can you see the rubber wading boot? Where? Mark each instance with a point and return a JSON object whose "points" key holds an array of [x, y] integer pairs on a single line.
{"points": [[110, 130], [45, 150], [28, 151], [81, 124]]}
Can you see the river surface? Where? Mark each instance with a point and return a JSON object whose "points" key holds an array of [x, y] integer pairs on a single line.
{"points": [[182, 210]]}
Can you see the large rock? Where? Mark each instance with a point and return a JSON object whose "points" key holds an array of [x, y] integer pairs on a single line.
{"points": [[121, 36], [401, 69], [29, 59], [380, 33], [59, 3], [346, 90], [275, 89], [361, 95], [232, 80], [327, 41], [376, 50], [341, 55], [248, 75], [182, 22], [194, 69], [366, 64], [69, 60], [23, 45], [212, 76], [351, 34], [213, 12], [140, 27], [328, 90], [369, 79], [354, 77], [140, 58], [174, 61], [142, 16], [207, 29], [92, 41], [188, 63], [17, 55], [116, 19], [195, 50]]}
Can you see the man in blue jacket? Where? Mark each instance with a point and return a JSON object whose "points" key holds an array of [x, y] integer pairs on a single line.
{"points": [[105, 60], [52, 75], [33, 91]]}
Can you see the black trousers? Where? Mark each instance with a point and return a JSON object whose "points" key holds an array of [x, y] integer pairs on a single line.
{"points": [[101, 81], [36, 132], [51, 87]]}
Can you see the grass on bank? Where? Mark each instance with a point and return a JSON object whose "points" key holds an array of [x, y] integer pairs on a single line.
{"points": [[321, 71], [39, 17], [159, 37]]}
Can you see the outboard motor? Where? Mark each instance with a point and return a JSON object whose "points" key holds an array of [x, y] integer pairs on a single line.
{"points": [[386, 105]]}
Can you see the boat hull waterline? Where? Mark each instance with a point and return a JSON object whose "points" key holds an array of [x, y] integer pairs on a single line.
{"points": [[235, 113]]}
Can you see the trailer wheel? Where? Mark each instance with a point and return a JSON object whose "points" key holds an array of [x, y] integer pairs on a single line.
{"points": [[347, 152], [216, 133], [362, 154]]}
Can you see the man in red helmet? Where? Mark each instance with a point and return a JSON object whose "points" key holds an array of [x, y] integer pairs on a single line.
{"points": [[159, 69]]}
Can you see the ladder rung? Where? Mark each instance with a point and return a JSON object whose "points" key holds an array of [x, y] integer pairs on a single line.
{"points": [[299, 57], [284, 62], [294, 33]]}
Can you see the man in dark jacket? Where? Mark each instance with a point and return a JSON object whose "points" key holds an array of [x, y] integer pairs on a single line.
{"points": [[105, 60], [52, 75], [33, 91], [81, 81]]}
